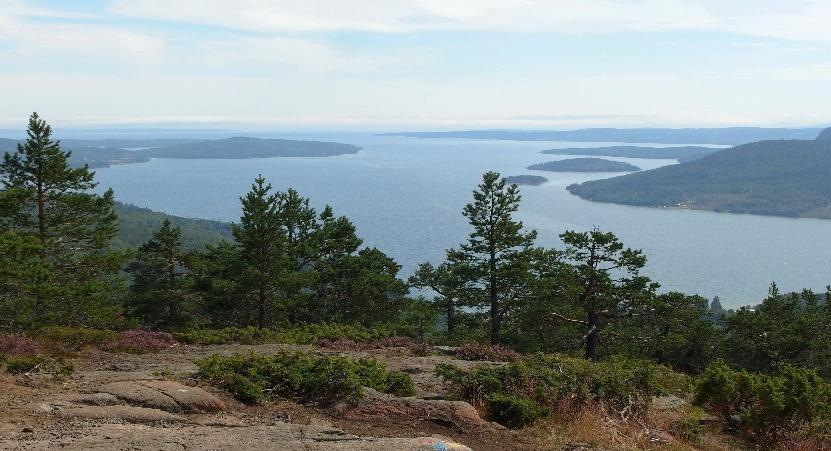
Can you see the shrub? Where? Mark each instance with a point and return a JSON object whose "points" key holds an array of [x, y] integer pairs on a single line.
{"points": [[342, 344], [421, 349], [17, 345], [139, 342], [766, 404], [625, 385], [17, 365], [256, 377], [73, 338], [347, 344], [514, 412], [490, 353], [59, 367], [305, 334]]}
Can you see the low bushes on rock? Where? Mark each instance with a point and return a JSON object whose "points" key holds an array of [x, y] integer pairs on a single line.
{"points": [[793, 399], [256, 377], [72, 338], [20, 364], [306, 334], [17, 345], [139, 342], [490, 353], [514, 412], [522, 390]]}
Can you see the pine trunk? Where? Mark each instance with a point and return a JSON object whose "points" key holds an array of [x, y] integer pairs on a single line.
{"points": [[494, 298]]}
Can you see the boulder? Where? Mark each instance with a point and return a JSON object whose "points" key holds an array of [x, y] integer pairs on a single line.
{"points": [[375, 405]]}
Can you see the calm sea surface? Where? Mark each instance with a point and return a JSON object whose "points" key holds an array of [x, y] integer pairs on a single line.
{"points": [[406, 196]]}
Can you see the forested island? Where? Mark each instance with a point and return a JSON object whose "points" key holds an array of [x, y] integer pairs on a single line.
{"points": [[584, 165], [778, 178], [682, 154], [520, 345], [723, 136], [100, 153], [243, 147], [532, 180]]}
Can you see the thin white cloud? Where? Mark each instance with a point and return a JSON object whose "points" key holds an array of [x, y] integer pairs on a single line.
{"points": [[33, 43], [795, 19]]}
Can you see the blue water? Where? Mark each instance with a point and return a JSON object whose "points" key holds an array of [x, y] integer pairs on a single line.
{"points": [[406, 195]]}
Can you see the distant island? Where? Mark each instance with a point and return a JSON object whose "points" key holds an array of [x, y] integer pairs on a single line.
{"points": [[526, 179], [778, 178], [584, 165], [724, 136], [242, 147], [682, 154], [102, 153]]}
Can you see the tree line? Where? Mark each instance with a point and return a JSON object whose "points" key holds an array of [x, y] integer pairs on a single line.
{"points": [[288, 263]]}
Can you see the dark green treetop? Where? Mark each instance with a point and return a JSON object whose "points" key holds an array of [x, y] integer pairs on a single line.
{"points": [[497, 248]]}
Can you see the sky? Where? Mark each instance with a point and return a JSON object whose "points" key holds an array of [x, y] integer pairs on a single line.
{"points": [[416, 64]]}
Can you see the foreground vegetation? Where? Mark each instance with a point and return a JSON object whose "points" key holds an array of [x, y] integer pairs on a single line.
{"points": [[288, 273], [301, 376]]}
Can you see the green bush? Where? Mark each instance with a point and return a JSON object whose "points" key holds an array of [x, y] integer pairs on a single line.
{"points": [[514, 412], [73, 338], [17, 365], [545, 380], [58, 367], [253, 377], [766, 404], [305, 334]]}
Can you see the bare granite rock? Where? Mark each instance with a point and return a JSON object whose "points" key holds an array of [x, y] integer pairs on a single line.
{"points": [[457, 414]]}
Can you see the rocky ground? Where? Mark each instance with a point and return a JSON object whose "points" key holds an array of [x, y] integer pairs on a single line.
{"points": [[151, 401]]}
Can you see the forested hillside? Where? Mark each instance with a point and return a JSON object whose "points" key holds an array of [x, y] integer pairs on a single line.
{"points": [[780, 178], [136, 225]]}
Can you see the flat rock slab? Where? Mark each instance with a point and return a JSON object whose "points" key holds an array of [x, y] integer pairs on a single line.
{"points": [[129, 414], [164, 395], [282, 436]]}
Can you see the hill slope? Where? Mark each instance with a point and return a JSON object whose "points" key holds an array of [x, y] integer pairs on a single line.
{"points": [[779, 178], [136, 225]]}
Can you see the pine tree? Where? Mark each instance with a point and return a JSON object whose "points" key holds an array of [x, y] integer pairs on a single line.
{"points": [[46, 198], [497, 248], [24, 278], [261, 244], [65, 215], [159, 292], [450, 284], [608, 281]]}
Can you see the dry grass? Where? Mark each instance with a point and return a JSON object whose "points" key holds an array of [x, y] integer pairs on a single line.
{"points": [[593, 426]]}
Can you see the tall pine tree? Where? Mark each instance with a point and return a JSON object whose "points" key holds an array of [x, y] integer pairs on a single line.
{"points": [[497, 249], [46, 198], [261, 245], [608, 282], [159, 294]]}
